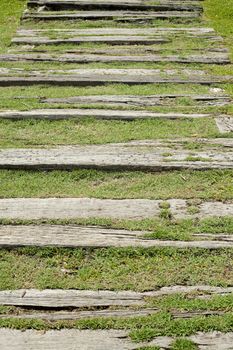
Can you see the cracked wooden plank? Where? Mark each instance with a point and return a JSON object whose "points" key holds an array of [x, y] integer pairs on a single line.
{"points": [[141, 155], [142, 101], [127, 16], [95, 237], [79, 315], [106, 114], [213, 58], [73, 298], [122, 313], [53, 5], [224, 124], [65, 339], [132, 209]]}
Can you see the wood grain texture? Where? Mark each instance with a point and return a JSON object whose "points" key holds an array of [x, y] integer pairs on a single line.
{"points": [[94, 77], [107, 114], [72, 298], [224, 124], [213, 58], [97, 237], [204, 341], [72, 208], [65, 339], [135, 155], [110, 40], [120, 313], [116, 5], [110, 15], [142, 101]]}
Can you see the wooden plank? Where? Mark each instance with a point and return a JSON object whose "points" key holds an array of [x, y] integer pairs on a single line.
{"points": [[142, 101], [110, 40], [107, 114], [110, 15], [205, 341], [65, 339], [145, 156], [122, 313], [132, 209], [195, 31], [53, 5], [94, 77], [79, 315], [72, 298], [224, 124], [77, 236], [213, 58]]}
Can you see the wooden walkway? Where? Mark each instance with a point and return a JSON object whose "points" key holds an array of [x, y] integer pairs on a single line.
{"points": [[127, 35]]}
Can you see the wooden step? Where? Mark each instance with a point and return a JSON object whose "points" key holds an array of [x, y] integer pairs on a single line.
{"points": [[164, 5], [93, 77], [139, 101], [212, 58], [191, 31], [126, 16], [132, 209], [107, 114], [74, 236], [110, 40], [136, 155], [73, 298]]}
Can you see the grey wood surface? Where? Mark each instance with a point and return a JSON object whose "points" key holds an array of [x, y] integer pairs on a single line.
{"points": [[65, 340], [71, 208], [110, 15], [213, 58], [141, 155], [112, 5], [72, 298], [108, 114], [82, 236], [224, 124]]}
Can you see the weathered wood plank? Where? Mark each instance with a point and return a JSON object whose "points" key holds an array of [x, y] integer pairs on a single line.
{"points": [[111, 40], [224, 124], [115, 5], [61, 298], [122, 156], [108, 114], [133, 209], [110, 15], [195, 31], [79, 315], [204, 341], [122, 313], [213, 58], [78, 236], [144, 100], [94, 77], [65, 339]]}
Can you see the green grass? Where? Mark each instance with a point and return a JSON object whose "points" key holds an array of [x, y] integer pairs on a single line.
{"points": [[9, 20], [114, 269], [30, 133], [207, 185]]}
